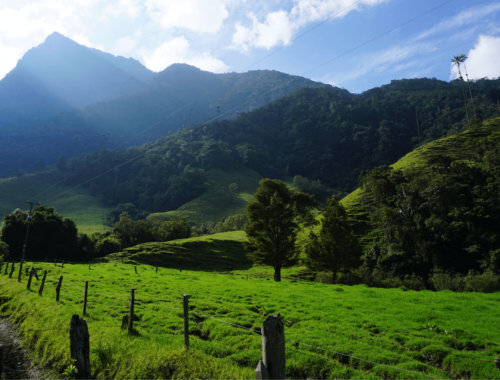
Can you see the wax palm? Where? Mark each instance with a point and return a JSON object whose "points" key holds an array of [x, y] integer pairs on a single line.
{"points": [[457, 60], [463, 58]]}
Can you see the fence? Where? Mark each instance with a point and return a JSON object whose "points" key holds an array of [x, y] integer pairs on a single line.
{"points": [[272, 365]]}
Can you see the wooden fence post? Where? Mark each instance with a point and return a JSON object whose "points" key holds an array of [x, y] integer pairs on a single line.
{"points": [[30, 278], [12, 270], [55, 262], [79, 346], [273, 346], [497, 362], [157, 269], [6, 267], [185, 303], [261, 372], [43, 283], [1, 359], [62, 264], [135, 267], [85, 298], [58, 288], [131, 311], [20, 272], [89, 264], [247, 276]]}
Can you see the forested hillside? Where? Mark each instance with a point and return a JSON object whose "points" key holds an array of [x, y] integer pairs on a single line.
{"points": [[112, 123], [322, 134]]}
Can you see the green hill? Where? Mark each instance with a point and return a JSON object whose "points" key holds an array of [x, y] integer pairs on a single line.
{"points": [[85, 210], [452, 146], [217, 202]]}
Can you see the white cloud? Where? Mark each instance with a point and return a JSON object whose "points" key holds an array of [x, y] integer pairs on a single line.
{"points": [[483, 59], [199, 16], [177, 51], [279, 26], [84, 40], [393, 59], [469, 16], [125, 45], [131, 8], [9, 55]]}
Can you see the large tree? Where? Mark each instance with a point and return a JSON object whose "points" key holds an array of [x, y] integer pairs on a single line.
{"points": [[274, 220], [50, 235], [336, 248]]}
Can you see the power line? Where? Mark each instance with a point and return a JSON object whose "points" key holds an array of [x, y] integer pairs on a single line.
{"points": [[203, 95], [281, 85]]}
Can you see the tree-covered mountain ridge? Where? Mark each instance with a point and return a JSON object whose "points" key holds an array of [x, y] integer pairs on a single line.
{"points": [[322, 134], [63, 98]]}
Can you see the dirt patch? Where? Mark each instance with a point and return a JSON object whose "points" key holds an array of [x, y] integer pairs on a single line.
{"points": [[16, 363]]}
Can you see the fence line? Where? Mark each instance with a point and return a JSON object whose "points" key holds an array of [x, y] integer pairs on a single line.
{"points": [[259, 333]]}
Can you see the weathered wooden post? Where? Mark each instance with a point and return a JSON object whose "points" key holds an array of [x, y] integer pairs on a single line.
{"points": [[157, 269], [247, 276], [20, 272], [43, 283], [58, 288], [261, 372], [273, 346], [29, 279], [79, 346], [185, 303], [12, 270], [497, 362], [85, 292], [62, 264], [55, 262], [6, 267], [89, 264], [131, 311], [135, 267]]}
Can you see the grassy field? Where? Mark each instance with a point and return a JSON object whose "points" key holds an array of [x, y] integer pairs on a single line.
{"points": [[388, 333], [217, 201], [78, 205]]}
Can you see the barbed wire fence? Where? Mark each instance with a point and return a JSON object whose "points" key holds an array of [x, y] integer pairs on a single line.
{"points": [[128, 323]]}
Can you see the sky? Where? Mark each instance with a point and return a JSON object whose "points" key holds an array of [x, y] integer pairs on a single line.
{"points": [[331, 41]]}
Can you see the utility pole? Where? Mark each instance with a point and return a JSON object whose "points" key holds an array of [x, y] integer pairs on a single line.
{"points": [[28, 228]]}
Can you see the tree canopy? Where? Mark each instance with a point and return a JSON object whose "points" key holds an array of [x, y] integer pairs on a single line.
{"points": [[274, 220]]}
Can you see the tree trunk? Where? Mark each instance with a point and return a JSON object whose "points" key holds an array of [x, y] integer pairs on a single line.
{"points": [[277, 274]]}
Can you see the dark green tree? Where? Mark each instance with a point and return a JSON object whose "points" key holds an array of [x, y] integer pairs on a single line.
{"points": [[274, 220], [335, 248], [172, 230], [50, 235]]}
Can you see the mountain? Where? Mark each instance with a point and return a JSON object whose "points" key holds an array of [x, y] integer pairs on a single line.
{"points": [[60, 74], [112, 123]]}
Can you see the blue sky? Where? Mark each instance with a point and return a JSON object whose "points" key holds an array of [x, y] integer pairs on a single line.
{"points": [[232, 35]]}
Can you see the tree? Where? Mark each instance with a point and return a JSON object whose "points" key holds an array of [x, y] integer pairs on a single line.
{"points": [[173, 229], [233, 188], [457, 60], [336, 249], [4, 251], [50, 234], [463, 59], [274, 220]]}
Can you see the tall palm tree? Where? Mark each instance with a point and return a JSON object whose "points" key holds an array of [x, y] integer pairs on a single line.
{"points": [[457, 60], [463, 57]]}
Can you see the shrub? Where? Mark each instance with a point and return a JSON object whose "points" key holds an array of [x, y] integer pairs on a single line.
{"points": [[444, 281], [107, 246], [483, 283]]}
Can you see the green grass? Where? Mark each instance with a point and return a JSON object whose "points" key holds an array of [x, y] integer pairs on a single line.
{"points": [[84, 209], [216, 202], [386, 326]]}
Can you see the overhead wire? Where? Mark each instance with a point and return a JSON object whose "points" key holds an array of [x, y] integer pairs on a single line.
{"points": [[203, 95], [281, 85]]}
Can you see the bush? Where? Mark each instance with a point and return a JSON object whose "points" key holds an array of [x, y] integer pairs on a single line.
{"points": [[483, 283], [444, 281], [107, 246]]}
